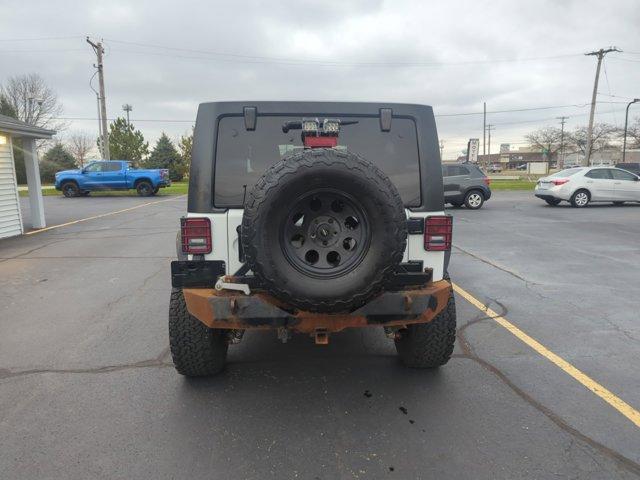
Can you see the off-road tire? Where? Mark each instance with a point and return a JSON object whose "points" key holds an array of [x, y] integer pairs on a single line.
{"points": [[470, 199], [70, 189], [429, 345], [575, 203], [197, 350], [265, 213], [553, 202], [144, 188]]}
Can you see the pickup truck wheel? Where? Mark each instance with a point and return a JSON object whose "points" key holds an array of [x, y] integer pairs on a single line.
{"points": [[196, 349], [474, 200], [429, 345], [324, 230], [70, 189], [144, 188]]}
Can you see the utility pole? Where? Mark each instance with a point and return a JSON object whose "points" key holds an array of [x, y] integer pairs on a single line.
{"points": [[484, 130], [626, 122], [562, 122], [600, 54], [99, 51], [127, 108], [489, 128]]}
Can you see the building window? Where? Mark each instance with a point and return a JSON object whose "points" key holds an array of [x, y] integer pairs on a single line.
{"points": [[3, 140]]}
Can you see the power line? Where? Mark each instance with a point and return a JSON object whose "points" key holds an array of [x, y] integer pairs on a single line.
{"points": [[36, 39], [515, 110], [242, 58], [606, 77]]}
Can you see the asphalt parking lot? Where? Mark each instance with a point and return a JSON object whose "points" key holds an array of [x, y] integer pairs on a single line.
{"points": [[87, 389]]}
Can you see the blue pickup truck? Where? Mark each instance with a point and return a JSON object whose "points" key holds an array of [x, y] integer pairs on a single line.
{"points": [[111, 175]]}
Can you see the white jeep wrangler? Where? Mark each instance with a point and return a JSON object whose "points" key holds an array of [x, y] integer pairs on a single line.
{"points": [[312, 217]]}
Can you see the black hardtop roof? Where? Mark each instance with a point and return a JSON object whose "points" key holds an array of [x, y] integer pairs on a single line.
{"points": [[201, 178]]}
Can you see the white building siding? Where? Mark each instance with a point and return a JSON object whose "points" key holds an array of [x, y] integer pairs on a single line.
{"points": [[10, 217]]}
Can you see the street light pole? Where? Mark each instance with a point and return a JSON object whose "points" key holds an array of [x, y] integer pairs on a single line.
{"points": [[626, 122]]}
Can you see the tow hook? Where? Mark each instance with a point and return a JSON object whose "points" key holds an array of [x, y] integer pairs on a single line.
{"points": [[240, 287]]}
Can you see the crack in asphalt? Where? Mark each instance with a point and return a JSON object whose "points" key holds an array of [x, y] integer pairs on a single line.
{"points": [[495, 265], [156, 362], [35, 249], [469, 353]]}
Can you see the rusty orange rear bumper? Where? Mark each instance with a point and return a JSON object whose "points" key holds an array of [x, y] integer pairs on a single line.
{"points": [[234, 310]]}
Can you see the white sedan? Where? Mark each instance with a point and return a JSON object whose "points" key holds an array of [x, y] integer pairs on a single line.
{"points": [[582, 185]]}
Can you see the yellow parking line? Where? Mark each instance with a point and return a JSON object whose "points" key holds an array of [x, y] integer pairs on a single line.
{"points": [[617, 403], [101, 215]]}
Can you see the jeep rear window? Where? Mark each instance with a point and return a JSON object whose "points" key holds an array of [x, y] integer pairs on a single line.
{"points": [[242, 156]]}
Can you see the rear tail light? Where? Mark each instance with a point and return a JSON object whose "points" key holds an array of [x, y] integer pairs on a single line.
{"points": [[487, 181], [560, 181], [196, 235], [438, 232]]}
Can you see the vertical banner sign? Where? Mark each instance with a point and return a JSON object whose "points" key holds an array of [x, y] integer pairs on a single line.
{"points": [[472, 150]]}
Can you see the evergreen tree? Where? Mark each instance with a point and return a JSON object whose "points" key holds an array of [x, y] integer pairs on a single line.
{"points": [[186, 146], [55, 159], [165, 155], [126, 143]]}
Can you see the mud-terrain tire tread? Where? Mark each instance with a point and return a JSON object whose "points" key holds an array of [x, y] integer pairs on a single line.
{"points": [[280, 173], [429, 345], [196, 349]]}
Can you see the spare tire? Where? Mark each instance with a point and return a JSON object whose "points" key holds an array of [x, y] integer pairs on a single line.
{"points": [[323, 230]]}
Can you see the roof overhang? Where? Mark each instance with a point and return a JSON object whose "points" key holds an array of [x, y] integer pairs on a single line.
{"points": [[16, 128]]}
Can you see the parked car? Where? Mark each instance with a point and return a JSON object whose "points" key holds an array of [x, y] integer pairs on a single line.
{"points": [[630, 167], [495, 168], [111, 175], [583, 185], [465, 184], [321, 216]]}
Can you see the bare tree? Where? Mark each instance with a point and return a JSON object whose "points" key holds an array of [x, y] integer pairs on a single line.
{"points": [[601, 138], [81, 145], [33, 101], [633, 134], [546, 139]]}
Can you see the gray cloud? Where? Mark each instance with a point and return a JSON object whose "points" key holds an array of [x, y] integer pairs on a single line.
{"points": [[169, 84]]}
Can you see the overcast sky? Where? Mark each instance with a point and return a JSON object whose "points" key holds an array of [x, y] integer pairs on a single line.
{"points": [[451, 55]]}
